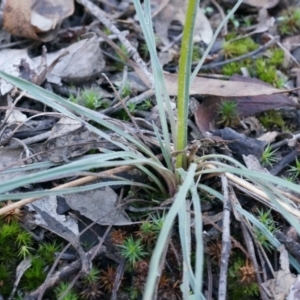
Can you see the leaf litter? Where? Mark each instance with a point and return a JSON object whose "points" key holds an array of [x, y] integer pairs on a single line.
{"points": [[34, 137]]}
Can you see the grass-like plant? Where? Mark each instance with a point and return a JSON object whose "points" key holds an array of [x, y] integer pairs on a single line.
{"points": [[295, 170], [266, 219], [90, 98], [289, 21], [61, 289], [268, 157], [228, 113], [132, 250], [239, 47], [185, 62], [271, 119], [48, 250], [179, 181]]}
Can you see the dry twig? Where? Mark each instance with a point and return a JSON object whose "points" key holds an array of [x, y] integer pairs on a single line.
{"points": [[226, 243]]}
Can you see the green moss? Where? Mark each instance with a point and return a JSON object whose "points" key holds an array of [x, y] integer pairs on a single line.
{"points": [[240, 287], [144, 50], [132, 250], [6, 280], [11, 237], [272, 119], [107, 31], [268, 156], [235, 67], [60, 290], [267, 220], [264, 69], [230, 36], [248, 20], [90, 98], [126, 91], [17, 244], [289, 21], [228, 114], [232, 68], [277, 57], [146, 105], [196, 55], [10, 230], [295, 170], [131, 107], [122, 57], [239, 47], [35, 275], [47, 251], [267, 73]]}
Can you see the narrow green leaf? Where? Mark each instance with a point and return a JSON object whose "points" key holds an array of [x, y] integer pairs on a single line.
{"points": [[184, 75]]}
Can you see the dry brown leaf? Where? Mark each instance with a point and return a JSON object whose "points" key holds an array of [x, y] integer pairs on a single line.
{"points": [[98, 205], [279, 287], [222, 88], [265, 22], [10, 62], [36, 19], [262, 3], [251, 105], [176, 10], [83, 61], [69, 139], [290, 43], [206, 113]]}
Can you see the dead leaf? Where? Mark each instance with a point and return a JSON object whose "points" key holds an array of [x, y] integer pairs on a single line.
{"points": [[10, 62], [21, 269], [69, 138], [251, 105], [222, 88], [203, 30], [176, 10], [278, 288], [204, 116], [294, 293], [36, 19], [15, 116], [269, 137], [206, 113], [291, 42], [49, 204], [265, 22], [10, 156], [83, 61], [262, 3], [49, 221], [253, 125], [135, 83], [98, 205], [253, 164]]}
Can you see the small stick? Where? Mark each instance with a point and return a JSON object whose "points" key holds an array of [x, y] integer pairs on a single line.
{"points": [[209, 277], [225, 62], [226, 243], [250, 247], [223, 16], [73, 183]]}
